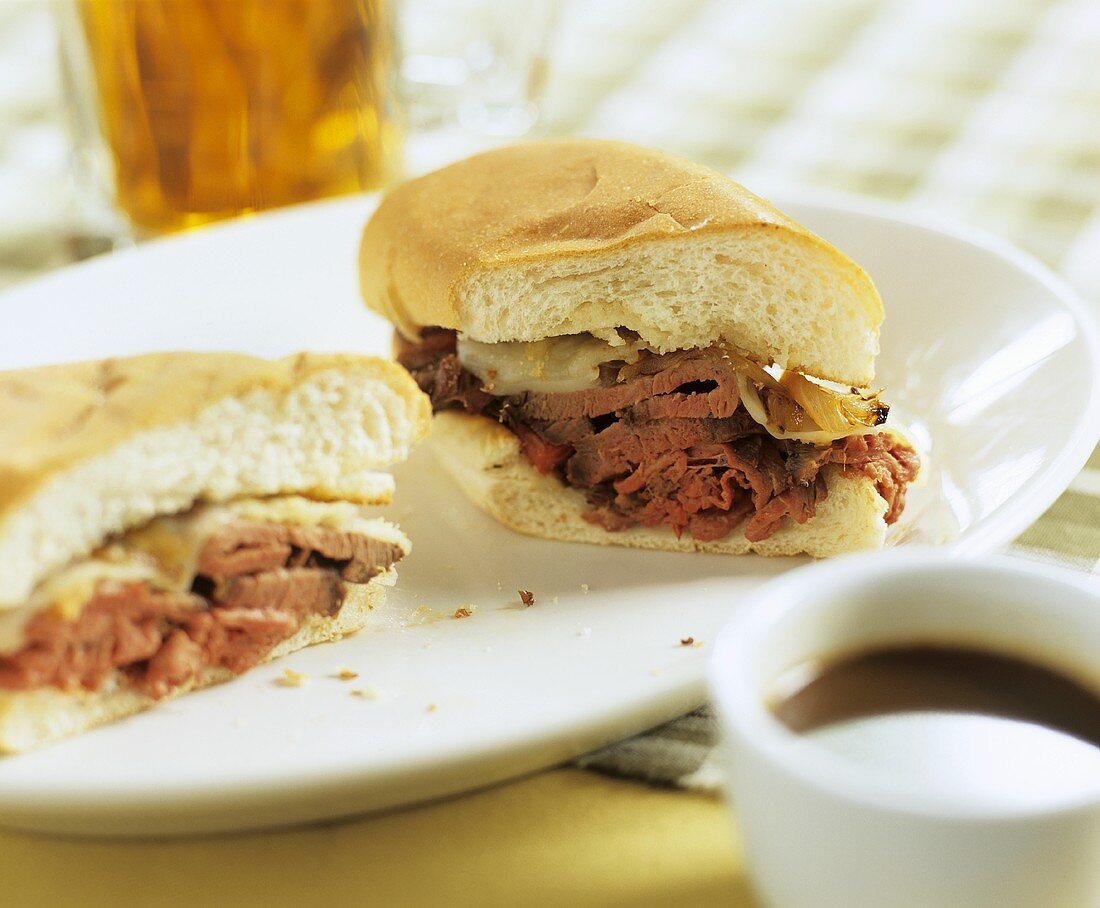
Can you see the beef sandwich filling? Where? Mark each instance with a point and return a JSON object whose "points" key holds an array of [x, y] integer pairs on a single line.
{"points": [[253, 584], [685, 439]]}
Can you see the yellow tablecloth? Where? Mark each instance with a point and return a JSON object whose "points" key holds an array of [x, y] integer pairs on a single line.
{"points": [[566, 837]]}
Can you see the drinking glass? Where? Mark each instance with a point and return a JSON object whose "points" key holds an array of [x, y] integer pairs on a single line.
{"points": [[190, 111]]}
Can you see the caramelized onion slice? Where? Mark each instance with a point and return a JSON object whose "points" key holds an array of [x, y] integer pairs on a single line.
{"points": [[834, 411], [754, 372], [794, 407]]}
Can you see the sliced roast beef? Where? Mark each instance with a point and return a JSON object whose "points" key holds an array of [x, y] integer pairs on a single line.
{"points": [[435, 366], [256, 584], [696, 386], [122, 624], [245, 547], [666, 441]]}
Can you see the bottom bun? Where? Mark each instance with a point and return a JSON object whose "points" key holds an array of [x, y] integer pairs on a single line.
{"points": [[32, 718], [485, 460]]}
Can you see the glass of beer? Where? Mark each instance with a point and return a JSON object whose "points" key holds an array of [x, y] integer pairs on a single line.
{"points": [[189, 111]]}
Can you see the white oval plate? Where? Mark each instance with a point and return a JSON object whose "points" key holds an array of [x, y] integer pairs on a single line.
{"points": [[986, 356]]}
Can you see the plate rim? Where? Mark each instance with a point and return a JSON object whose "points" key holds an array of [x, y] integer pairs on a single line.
{"points": [[1054, 479]]}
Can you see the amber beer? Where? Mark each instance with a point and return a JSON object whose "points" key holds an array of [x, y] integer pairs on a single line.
{"points": [[214, 108]]}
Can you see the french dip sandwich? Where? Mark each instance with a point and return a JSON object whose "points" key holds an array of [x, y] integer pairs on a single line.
{"points": [[172, 520], [623, 347]]}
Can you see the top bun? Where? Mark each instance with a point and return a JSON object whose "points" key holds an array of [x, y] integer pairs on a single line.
{"points": [[564, 236], [88, 450]]}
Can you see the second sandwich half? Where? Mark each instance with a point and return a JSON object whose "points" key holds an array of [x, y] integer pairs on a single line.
{"points": [[169, 521]]}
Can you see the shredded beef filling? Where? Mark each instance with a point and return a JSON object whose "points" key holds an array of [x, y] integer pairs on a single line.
{"points": [[255, 585], [671, 445]]}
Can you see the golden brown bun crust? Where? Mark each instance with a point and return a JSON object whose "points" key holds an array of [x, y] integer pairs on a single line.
{"points": [[528, 201], [29, 719], [582, 199], [484, 459], [54, 416]]}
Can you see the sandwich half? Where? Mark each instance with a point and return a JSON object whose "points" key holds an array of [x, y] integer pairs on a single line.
{"points": [[623, 347], [170, 521]]}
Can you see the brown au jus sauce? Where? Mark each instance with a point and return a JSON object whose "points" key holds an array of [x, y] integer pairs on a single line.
{"points": [[935, 679]]}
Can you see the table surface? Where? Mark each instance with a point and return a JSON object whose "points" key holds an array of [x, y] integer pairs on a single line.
{"points": [[989, 113], [563, 837]]}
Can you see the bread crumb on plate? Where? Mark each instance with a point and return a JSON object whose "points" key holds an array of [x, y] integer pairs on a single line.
{"points": [[291, 678]]}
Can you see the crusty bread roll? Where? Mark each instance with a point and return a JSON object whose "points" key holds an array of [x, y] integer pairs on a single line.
{"points": [[485, 460], [91, 452], [90, 449], [575, 235]]}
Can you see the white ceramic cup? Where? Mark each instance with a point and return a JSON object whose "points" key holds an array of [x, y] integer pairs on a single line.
{"points": [[819, 829]]}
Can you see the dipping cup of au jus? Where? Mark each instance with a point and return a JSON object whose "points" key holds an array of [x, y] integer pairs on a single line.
{"points": [[912, 729]]}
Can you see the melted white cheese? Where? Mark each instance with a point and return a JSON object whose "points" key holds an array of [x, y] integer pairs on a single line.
{"points": [[567, 363]]}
